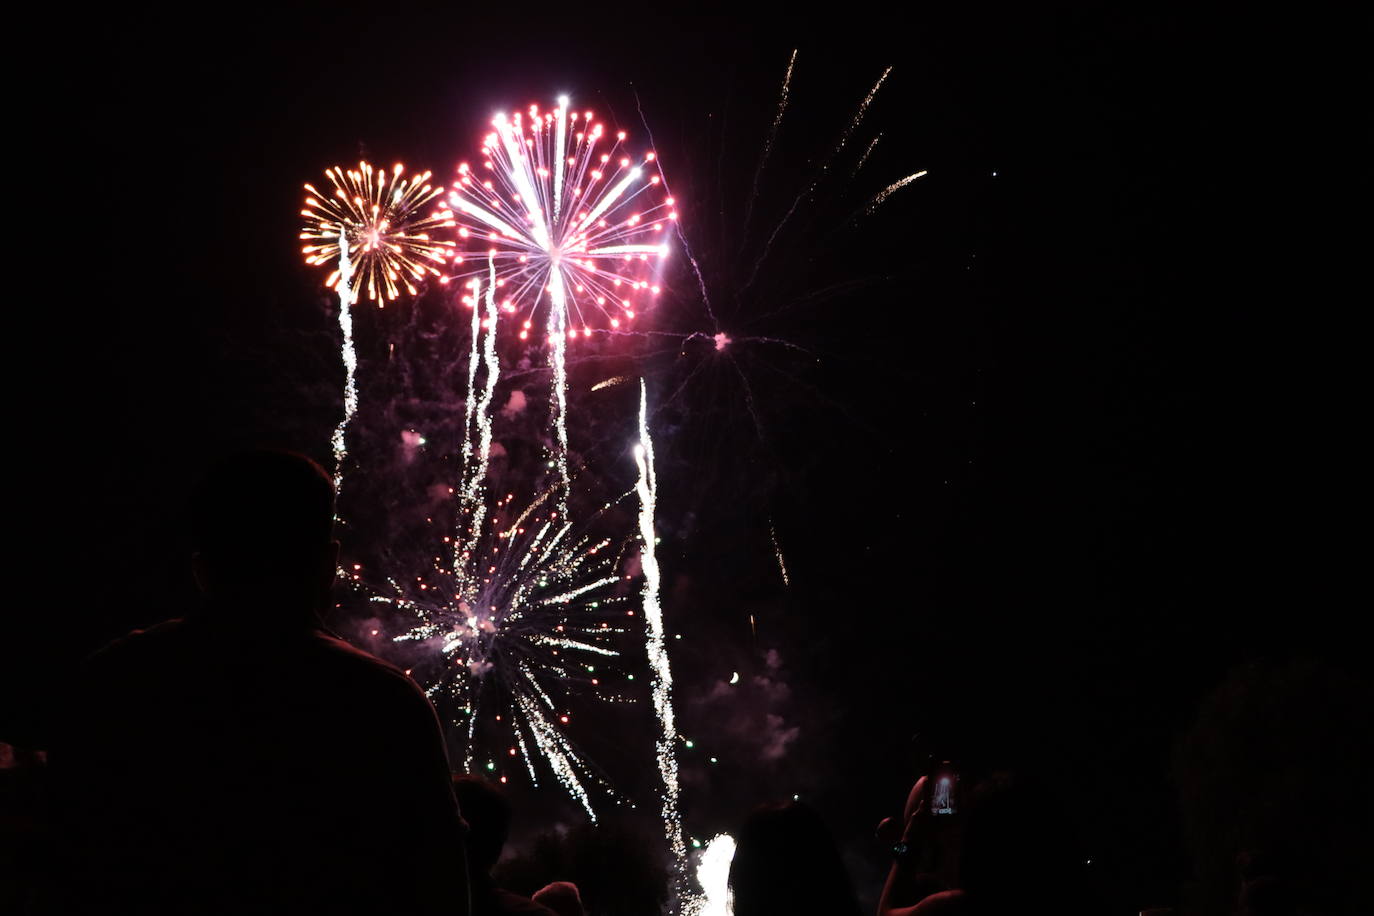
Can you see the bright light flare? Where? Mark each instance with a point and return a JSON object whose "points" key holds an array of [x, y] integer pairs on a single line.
{"points": [[713, 876]]}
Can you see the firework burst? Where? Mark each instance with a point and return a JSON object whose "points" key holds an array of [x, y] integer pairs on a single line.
{"points": [[529, 622], [563, 218], [570, 219], [378, 218]]}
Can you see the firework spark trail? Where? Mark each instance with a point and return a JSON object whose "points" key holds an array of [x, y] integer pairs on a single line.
{"points": [[647, 489], [888, 191], [607, 383], [472, 502], [772, 135], [350, 359], [825, 168], [558, 396], [858, 119], [470, 404], [777, 552], [863, 160], [556, 750], [677, 227]]}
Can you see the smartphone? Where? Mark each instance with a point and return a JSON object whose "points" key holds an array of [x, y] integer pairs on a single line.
{"points": [[943, 786]]}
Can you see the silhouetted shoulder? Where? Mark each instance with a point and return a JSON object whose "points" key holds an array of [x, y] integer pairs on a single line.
{"points": [[347, 654], [945, 903], [380, 675], [505, 903], [136, 642]]}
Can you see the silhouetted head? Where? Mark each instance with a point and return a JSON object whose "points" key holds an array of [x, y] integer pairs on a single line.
{"points": [[488, 814], [261, 527], [786, 862]]}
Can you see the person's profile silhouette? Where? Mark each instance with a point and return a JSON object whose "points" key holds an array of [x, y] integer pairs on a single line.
{"points": [[241, 759]]}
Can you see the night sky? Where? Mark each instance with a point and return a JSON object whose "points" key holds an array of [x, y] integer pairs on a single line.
{"points": [[1052, 459]]}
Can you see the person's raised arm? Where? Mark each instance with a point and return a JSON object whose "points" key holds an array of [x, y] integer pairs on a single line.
{"points": [[915, 857]]}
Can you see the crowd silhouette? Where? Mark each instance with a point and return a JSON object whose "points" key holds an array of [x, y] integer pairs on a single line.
{"points": [[243, 760]]}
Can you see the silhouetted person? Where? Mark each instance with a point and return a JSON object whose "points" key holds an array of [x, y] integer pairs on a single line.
{"points": [[488, 814], [786, 863], [1275, 795], [241, 760], [1009, 852]]}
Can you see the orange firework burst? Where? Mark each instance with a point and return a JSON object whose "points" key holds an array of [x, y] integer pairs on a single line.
{"points": [[390, 235]]}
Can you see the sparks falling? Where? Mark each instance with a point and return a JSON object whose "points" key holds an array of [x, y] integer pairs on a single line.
{"points": [[881, 197], [825, 164], [373, 229], [573, 224], [772, 134], [777, 552], [339, 441], [477, 431], [662, 687], [531, 620]]}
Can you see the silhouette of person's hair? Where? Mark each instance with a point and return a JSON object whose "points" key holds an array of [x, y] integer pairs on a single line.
{"points": [[262, 519], [786, 862]]}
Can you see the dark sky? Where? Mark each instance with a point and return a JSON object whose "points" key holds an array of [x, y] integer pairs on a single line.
{"points": [[1053, 463]]}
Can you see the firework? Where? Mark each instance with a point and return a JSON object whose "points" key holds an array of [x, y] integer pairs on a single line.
{"points": [[526, 623], [863, 160], [394, 227], [749, 282], [477, 430], [772, 134], [373, 229], [825, 164], [713, 876], [662, 687], [570, 222], [881, 197], [349, 355], [777, 552]]}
